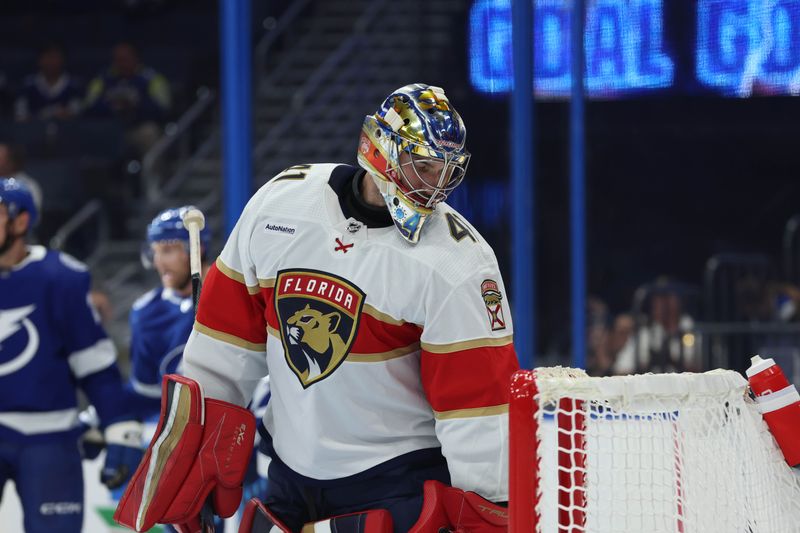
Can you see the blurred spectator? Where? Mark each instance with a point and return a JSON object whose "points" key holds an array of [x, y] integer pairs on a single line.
{"points": [[787, 302], [759, 302], [664, 340], [598, 357], [51, 93], [621, 333], [134, 93], [12, 164], [605, 338], [767, 301]]}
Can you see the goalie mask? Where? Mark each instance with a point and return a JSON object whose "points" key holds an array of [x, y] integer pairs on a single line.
{"points": [[413, 146], [167, 226]]}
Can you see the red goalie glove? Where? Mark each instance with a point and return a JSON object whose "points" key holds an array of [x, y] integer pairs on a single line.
{"points": [[201, 448], [451, 509]]}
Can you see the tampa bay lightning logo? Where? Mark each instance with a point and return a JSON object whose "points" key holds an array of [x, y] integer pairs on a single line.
{"points": [[17, 330]]}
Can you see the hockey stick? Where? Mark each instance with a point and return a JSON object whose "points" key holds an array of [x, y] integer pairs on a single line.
{"points": [[194, 221]]}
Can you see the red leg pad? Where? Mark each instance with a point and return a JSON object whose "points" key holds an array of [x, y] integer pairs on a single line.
{"points": [[201, 448]]}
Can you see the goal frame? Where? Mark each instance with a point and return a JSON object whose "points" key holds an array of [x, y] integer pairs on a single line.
{"points": [[523, 428], [553, 483]]}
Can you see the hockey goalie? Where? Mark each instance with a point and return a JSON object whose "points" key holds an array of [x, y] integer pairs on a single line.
{"points": [[380, 315]]}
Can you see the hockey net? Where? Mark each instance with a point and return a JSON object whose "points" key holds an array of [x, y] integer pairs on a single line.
{"points": [[677, 453]]}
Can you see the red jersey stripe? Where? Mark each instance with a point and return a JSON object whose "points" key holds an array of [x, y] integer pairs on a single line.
{"points": [[227, 306], [468, 379], [376, 336], [270, 314]]}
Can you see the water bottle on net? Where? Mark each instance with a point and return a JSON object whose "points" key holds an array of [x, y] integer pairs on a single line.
{"points": [[779, 403]]}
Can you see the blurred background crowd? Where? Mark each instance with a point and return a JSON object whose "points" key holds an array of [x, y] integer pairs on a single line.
{"points": [[110, 109]]}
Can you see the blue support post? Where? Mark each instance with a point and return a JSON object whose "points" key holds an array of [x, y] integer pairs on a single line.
{"points": [[577, 178], [235, 52], [522, 180]]}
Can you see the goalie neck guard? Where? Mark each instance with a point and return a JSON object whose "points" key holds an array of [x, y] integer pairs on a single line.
{"points": [[414, 149]]}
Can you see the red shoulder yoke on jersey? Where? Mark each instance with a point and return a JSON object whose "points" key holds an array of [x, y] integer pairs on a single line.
{"points": [[453, 509], [200, 445], [257, 518]]}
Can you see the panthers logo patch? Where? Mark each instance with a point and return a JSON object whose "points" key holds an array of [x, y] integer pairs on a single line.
{"points": [[319, 316], [493, 298]]}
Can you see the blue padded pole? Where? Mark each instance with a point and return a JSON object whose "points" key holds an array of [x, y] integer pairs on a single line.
{"points": [[577, 178], [236, 96], [522, 180]]}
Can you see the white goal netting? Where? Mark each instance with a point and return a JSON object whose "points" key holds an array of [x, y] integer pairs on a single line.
{"points": [[669, 453]]}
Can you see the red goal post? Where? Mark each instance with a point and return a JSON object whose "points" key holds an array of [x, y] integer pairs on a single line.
{"points": [[655, 452]]}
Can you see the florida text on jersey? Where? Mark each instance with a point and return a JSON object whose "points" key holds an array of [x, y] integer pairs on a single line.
{"points": [[375, 347]]}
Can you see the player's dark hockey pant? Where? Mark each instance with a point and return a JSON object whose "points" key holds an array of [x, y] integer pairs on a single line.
{"points": [[49, 480], [395, 486]]}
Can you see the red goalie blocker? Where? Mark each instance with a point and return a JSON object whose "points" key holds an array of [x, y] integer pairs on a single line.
{"points": [[453, 509], [200, 448]]}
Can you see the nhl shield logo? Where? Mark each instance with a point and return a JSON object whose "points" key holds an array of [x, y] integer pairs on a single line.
{"points": [[493, 298], [319, 316]]}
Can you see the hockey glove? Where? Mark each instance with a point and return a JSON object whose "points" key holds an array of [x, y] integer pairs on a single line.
{"points": [[447, 508], [123, 453], [91, 441]]}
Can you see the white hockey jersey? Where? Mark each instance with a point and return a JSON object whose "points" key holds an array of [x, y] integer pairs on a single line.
{"points": [[375, 347]]}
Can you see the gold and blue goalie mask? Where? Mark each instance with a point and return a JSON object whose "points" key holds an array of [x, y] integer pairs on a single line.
{"points": [[414, 147]]}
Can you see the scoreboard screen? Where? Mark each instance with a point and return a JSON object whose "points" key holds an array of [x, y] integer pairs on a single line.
{"points": [[738, 48]]}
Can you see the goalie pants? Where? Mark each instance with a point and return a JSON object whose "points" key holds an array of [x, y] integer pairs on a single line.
{"points": [[49, 480], [395, 485]]}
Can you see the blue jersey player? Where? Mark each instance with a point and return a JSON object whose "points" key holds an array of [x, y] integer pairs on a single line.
{"points": [[51, 342], [161, 320]]}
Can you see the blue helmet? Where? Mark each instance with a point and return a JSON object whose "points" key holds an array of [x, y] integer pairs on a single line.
{"points": [[18, 198], [168, 226]]}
